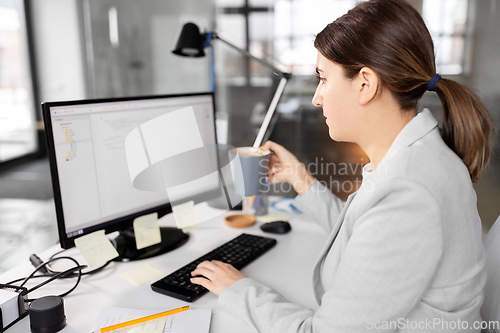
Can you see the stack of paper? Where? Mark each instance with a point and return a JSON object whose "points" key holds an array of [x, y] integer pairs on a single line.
{"points": [[191, 321]]}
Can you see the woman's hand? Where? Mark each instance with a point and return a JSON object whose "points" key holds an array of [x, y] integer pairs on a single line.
{"points": [[217, 276], [284, 166]]}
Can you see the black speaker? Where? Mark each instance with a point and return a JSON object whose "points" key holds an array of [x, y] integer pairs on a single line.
{"points": [[47, 315]]}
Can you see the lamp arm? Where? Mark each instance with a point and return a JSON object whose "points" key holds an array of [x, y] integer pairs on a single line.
{"points": [[270, 112], [249, 55], [279, 91]]}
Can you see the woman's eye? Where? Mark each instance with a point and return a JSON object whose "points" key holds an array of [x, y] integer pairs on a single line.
{"points": [[321, 79]]}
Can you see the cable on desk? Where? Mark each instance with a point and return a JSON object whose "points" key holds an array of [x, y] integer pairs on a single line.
{"points": [[35, 260], [95, 270], [42, 267]]}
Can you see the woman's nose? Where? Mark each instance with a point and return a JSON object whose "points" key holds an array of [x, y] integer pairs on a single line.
{"points": [[317, 99]]}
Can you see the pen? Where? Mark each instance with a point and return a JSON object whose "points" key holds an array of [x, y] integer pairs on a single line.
{"points": [[141, 320]]}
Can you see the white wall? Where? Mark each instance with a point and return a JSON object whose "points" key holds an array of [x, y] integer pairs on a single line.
{"points": [[58, 50]]}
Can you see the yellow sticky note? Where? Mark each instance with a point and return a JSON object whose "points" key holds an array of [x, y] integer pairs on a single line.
{"points": [[191, 227], [96, 248], [185, 215], [273, 217], [143, 274], [150, 326], [147, 231]]}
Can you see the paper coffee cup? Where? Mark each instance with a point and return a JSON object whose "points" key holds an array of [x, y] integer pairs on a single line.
{"points": [[249, 167]]}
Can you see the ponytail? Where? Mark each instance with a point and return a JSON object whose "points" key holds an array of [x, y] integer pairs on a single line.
{"points": [[467, 127]]}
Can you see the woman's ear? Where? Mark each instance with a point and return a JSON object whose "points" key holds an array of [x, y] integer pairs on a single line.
{"points": [[367, 83]]}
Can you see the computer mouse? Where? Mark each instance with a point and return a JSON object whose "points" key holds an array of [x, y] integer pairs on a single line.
{"points": [[276, 227]]}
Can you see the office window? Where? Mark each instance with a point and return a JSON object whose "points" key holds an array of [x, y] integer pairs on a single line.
{"points": [[447, 22], [233, 27], [296, 23], [261, 45], [248, 25], [257, 3], [244, 86], [17, 124], [229, 3]]}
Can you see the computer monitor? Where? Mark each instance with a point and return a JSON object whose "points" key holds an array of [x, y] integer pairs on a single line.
{"points": [[113, 160]]}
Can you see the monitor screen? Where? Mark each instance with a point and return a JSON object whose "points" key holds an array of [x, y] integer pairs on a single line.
{"points": [[113, 160]]}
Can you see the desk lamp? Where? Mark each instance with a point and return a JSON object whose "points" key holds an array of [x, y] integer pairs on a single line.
{"points": [[191, 44]]}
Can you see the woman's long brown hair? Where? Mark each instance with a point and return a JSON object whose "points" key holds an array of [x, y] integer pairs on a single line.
{"points": [[391, 38]]}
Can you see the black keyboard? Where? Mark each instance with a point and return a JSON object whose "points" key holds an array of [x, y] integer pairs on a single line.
{"points": [[238, 252]]}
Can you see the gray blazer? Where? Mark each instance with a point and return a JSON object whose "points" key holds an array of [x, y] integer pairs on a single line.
{"points": [[404, 252]]}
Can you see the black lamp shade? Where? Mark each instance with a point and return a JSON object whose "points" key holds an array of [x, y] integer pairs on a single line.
{"points": [[190, 42]]}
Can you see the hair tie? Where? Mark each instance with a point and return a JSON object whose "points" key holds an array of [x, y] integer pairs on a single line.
{"points": [[433, 82]]}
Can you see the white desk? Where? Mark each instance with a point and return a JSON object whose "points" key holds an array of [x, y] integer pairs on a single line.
{"points": [[287, 268]]}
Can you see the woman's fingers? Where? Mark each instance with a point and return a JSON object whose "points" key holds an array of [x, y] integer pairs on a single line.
{"points": [[273, 160], [208, 268], [276, 175], [273, 146], [282, 159], [208, 273], [202, 282], [217, 275], [282, 154], [268, 146]]}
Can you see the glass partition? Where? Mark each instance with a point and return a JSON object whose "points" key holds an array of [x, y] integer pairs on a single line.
{"points": [[17, 117], [129, 43]]}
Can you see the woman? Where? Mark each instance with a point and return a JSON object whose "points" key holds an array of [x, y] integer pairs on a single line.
{"points": [[405, 250]]}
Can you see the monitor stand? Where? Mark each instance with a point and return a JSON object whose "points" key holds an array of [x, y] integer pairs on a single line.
{"points": [[171, 238]]}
